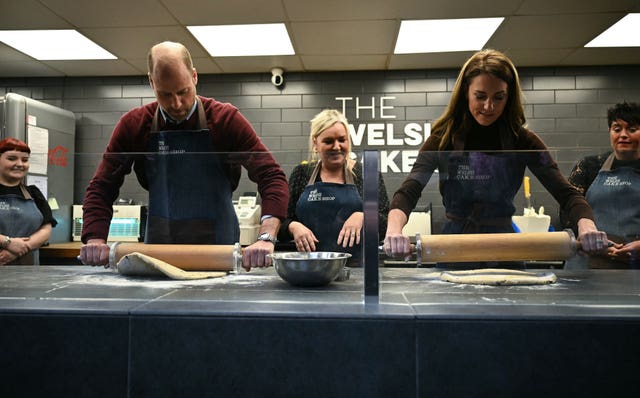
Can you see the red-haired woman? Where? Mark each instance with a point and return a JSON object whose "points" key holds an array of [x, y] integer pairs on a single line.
{"points": [[25, 215]]}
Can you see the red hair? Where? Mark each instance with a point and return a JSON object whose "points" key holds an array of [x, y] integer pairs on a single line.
{"points": [[13, 144]]}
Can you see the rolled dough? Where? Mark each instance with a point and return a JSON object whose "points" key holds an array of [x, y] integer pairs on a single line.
{"points": [[138, 264], [498, 276]]}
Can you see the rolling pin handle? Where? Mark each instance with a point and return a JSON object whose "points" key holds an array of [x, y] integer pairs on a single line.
{"points": [[237, 258], [113, 263], [575, 244], [418, 250]]}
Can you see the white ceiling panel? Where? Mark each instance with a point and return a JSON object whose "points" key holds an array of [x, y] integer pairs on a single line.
{"points": [[344, 38], [429, 60], [553, 7], [551, 30], [252, 64], [29, 14], [344, 62], [102, 13], [326, 34], [135, 42], [341, 10], [603, 56], [27, 69], [112, 67], [216, 12]]}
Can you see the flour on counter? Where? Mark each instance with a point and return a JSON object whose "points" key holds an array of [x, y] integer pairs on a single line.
{"points": [[110, 278]]}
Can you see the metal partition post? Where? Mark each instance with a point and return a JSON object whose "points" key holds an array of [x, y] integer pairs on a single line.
{"points": [[370, 165]]}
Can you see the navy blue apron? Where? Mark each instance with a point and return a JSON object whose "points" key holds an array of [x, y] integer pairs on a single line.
{"points": [[20, 217], [478, 191], [190, 196], [614, 196], [323, 207]]}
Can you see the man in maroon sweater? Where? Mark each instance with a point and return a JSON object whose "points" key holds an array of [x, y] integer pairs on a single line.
{"points": [[187, 151]]}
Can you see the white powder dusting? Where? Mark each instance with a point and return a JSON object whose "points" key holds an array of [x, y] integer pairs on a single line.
{"points": [[115, 279]]}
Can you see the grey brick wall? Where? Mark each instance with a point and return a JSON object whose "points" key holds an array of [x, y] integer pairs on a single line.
{"points": [[565, 106]]}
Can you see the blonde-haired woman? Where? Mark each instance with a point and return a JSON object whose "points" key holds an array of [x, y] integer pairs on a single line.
{"points": [[325, 194], [481, 147]]}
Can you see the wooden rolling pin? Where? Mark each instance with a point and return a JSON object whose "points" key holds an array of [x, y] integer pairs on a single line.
{"points": [[186, 257], [496, 247]]}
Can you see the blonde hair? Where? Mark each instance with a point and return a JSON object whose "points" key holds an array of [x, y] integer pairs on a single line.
{"points": [[456, 120], [323, 121]]}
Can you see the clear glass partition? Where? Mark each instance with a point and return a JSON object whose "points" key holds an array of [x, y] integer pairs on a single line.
{"points": [[515, 201]]}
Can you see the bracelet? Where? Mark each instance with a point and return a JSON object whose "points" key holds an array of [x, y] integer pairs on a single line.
{"points": [[6, 242]]}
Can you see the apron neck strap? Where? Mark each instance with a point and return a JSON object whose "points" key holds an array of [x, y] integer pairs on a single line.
{"points": [[25, 192], [202, 121], [606, 166], [348, 176]]}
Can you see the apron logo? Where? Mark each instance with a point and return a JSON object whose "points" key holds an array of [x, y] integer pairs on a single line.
{"points": [[315, 196], [466, 173], [614, 181], [165, 149], [6, 206]]}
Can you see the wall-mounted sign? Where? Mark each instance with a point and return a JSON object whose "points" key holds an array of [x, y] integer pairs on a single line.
{"points": [[384, 133]]}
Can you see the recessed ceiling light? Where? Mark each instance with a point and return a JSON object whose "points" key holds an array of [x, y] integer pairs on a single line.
{"points": [[244, 40], [444, 35], [50, 45], [623, 33]]}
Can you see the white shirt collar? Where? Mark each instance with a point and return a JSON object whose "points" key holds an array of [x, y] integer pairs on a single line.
{"points": [[168, 119]]}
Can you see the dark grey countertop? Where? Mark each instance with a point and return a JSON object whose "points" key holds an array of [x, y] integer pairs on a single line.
{"points": [[404, 293]]}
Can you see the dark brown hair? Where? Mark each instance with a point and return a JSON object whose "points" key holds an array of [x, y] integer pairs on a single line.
{"points": [[456, 119]]}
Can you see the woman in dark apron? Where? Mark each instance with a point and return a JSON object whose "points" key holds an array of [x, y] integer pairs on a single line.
{"points": [[481, 147], [611, 184], [25, 215], [614, 196], [325, 208]]}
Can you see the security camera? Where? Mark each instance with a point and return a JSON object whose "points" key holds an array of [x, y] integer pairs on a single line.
{"points": [[276, 77]]}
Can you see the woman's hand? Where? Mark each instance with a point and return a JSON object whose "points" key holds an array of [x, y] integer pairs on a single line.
{"points": [[396, 244], [6, 257], [591, 240], [624, 252], [19, 246], [303, 237], [350, 233]]}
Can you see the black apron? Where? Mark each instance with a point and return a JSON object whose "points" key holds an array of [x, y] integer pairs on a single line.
{"points": [[323, 207], [20, 217], [614, 196], [190, 196]]}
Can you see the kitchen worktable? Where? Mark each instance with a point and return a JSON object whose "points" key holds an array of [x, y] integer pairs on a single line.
{"points": [[87, 331]]}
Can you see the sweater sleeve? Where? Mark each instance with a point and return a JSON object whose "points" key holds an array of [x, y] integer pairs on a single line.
{"points": [[547, 172], [407, 196]]}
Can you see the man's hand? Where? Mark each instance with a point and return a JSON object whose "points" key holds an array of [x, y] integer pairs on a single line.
{"points": [[94, 252]]}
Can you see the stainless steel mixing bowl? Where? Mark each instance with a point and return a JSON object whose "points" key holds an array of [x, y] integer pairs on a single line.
{"points": [[309, 269]]}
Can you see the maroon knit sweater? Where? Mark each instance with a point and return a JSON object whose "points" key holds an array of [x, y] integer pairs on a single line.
{"points": [[231, 135]]}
